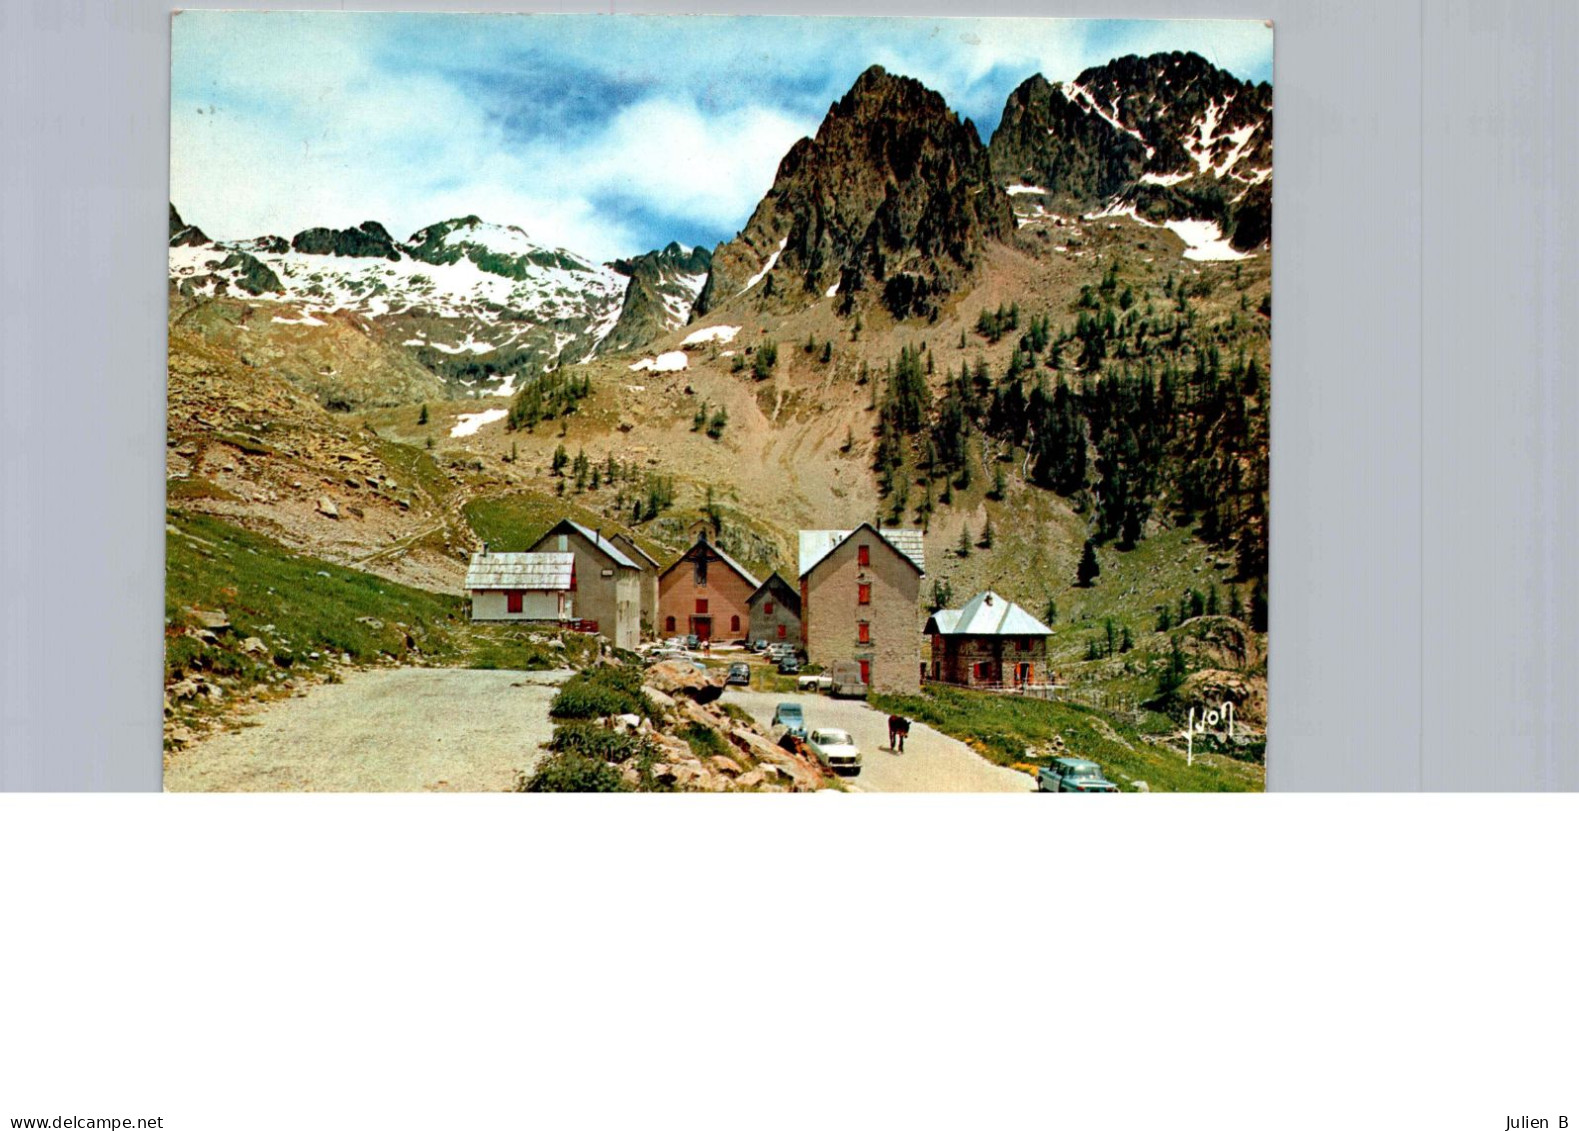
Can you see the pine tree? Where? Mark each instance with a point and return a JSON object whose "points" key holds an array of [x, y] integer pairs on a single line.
{"points": [[963, 549], [1088, 570], [1236, 607], [422, 417], [561, 458], [986, 535], [1107, 629], [1050, 613], [1127, 642], [999, 483], [1211, 601], [827, 351], [1173, 675], [1164, 619]]}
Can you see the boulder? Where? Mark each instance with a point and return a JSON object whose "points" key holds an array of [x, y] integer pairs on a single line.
{"points": [[679, 677], [725, 764], [214, 620], [253, 646], [327, 508]]}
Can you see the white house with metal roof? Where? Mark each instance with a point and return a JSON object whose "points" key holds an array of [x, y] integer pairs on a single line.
{"points": [[989, 642], [522, 587]]}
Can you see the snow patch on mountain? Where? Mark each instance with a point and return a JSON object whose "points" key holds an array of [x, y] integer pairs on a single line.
{"points": [[671, 362], [766, 267], [711, 334], [469, 422]]}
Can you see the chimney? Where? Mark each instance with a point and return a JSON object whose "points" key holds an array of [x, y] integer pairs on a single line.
{"points": [[485, 549]]}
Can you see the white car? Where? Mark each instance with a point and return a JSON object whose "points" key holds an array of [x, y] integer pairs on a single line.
{"points": [[814, 682], [836, 750]]}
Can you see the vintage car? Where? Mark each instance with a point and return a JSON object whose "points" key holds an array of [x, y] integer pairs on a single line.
{"points": [[835, 749], [791, 718], [1072, 775], [739, 673]]}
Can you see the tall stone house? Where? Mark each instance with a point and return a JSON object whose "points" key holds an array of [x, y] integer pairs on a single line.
{"points": [[859, 595], [705, 591], [650, 569], [990, 642], [775, 611], [522, 587], [608, 582]]}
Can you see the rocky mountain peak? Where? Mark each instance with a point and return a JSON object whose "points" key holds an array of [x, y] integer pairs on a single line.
{"points": [[892, 197], [1168, 136]]}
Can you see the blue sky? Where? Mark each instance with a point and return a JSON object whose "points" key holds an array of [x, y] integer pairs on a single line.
{"points": [[607, 135]]}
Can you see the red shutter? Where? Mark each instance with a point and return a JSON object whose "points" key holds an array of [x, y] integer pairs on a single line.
{"points": [[863, 555], [866, 671], [782, 633], [863, 632], [513, 600], [668, 624], [734, 624], [701, 606], [767, 608], [864, 593]]}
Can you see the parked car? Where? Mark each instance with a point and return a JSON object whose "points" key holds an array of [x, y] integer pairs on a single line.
{"points": [[836, 750], [845, 680], [738, 673], [791, 718], [822, 681], [1072, 775], [759, 645], [789, 665], [693, 641]]}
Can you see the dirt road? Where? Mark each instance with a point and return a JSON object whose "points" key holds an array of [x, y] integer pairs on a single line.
{"points": [[932, 762], [405, 729]]}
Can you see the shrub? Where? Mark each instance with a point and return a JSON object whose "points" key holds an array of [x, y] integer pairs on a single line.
{"points": [[595, 742], [570, 772], [704, 741], [611, 689]]}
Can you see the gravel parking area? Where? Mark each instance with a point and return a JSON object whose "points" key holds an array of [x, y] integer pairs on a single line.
{"points": [[384, 731], [932, 762]]}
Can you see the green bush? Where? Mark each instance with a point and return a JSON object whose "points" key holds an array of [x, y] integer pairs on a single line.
{"points": [[704, 741], [595, 742], [570, 772], [610, 689]]}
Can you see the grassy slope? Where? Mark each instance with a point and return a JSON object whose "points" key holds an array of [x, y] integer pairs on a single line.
{"points": [[309, 613], [1004, 727]]}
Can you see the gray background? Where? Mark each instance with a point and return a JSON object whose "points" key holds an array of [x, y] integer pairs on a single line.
{"points": [[1424, 631]]}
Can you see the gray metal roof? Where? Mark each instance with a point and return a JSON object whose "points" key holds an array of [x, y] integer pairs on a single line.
{"points": [[520, 571], [629, 543], [986, 614], [818, 544], [618, 556]]}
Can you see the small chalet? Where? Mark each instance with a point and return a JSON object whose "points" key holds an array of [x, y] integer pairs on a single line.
{"points": [[705, 591], [522, 587], [608, 582], [991, 642], [775, 611]]}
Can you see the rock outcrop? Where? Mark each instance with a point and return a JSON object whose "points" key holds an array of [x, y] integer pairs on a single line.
{"points": [[893, 198]]}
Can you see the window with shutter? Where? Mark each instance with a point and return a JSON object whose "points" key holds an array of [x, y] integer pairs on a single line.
{"points": [[701, 606], [864, 593], [513, 600], [863, 555], [863, 631]]}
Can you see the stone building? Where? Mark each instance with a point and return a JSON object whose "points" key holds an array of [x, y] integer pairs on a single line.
{"points": [[650, 569], [705, 591], [990, 643], [522, 587], [859, 596], [608, 582], [775, 612]]}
